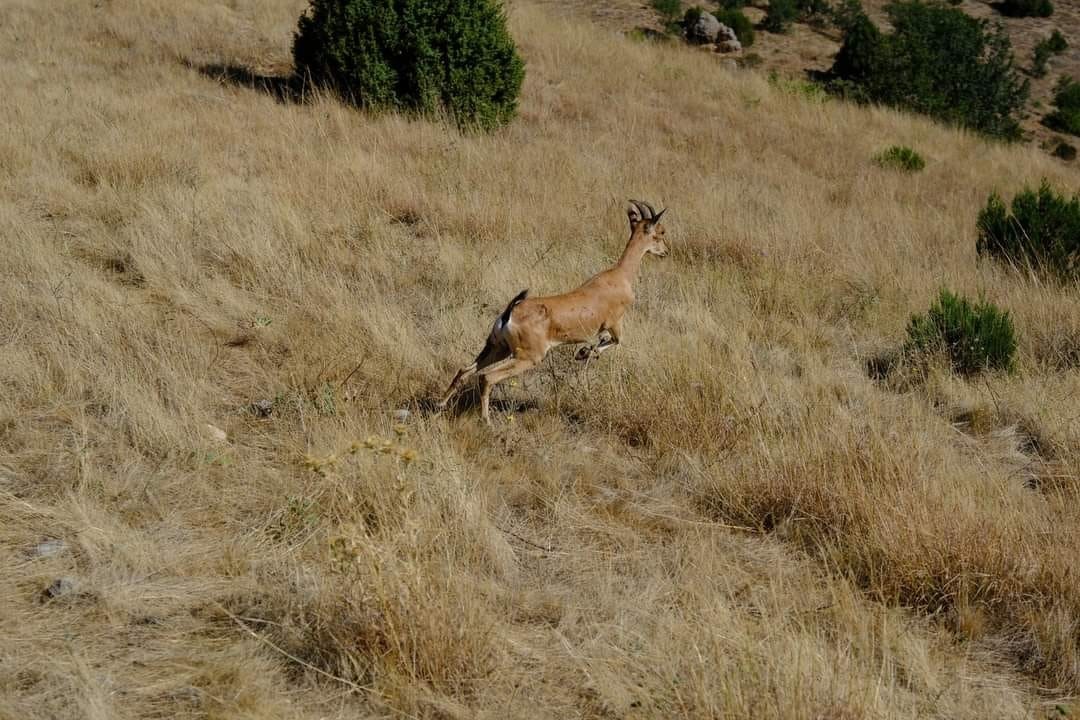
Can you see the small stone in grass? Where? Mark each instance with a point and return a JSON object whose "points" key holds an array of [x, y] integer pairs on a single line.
{"points": [[49, 548]]}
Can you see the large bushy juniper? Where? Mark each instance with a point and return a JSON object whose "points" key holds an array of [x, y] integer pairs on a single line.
{"points": [[1042, 231], [938, 60], [423, 55], [974, 336]]}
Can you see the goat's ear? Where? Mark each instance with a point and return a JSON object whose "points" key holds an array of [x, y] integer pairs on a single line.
{"points": [[656, 218]]}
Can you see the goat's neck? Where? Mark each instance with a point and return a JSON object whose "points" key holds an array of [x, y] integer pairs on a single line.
{"points": [[630, 262]]}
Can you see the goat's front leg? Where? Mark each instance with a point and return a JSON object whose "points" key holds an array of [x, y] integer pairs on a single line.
{"points": [[609, 339]]}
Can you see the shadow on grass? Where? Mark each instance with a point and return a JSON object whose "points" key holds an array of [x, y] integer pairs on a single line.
{"points": [[283, 88], [468, 401]]}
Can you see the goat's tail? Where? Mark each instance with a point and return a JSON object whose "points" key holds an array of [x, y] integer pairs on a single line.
{"points": [[504, 319]]}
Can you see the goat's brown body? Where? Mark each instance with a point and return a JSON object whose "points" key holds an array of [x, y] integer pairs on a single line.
{"points": [[574, 317], [530, 327]]}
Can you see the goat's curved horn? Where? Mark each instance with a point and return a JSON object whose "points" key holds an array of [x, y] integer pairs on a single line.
{"points": [[643, 208], [652, 211]]}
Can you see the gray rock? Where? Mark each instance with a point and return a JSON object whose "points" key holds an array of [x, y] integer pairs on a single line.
{"points": [[49, 548], [729, 46], [61, 587], [704, 30], [725, 33], [262, 408]]}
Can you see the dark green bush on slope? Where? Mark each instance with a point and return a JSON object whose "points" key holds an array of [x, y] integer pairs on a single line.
{"points": [[938, 61], [1042, 231], [780, 15], [669, 11], [1044, 50], [974, 337], [1066, 115], [1026, 8], [422, 55]]}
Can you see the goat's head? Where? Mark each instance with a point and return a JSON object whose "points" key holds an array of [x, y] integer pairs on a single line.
{"points": [[643, 216]]}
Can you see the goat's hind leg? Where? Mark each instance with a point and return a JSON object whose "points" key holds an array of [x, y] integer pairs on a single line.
{"points": [[462, 375], [493, 352], [496, 373]]}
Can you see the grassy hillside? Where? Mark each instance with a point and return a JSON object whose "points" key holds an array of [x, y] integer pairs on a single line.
{"points": [[724, 517]]}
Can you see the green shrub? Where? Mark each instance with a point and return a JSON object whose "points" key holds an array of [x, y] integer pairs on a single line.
{"points": [[975, 337], [811, 92], [1026, 8], [900, 157], [938, 61], [691, 16], [737, 21], [1044, 50], [1065, 151], [780, 15], [1057, 42], [1066, 116], [810, 9], [731, 4], [420, 55], [1042, 231], [1039, 59], [670, 12]]}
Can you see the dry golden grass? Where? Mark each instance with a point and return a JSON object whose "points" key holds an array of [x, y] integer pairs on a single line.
{"points": [[724, 517]]}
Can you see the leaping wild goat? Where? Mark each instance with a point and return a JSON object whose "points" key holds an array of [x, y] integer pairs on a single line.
{"points": [[529, 327]]}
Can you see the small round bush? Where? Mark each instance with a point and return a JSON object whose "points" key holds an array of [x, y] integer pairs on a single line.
{"points": [[1042, 231], [975, 337], [1044, 50], [1026, 8], [814, 8], [423, 55], [780, 15], [690, 18], [1057, 42], [900, 157], [669, 11], [737, 21], [1065, 151]]}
